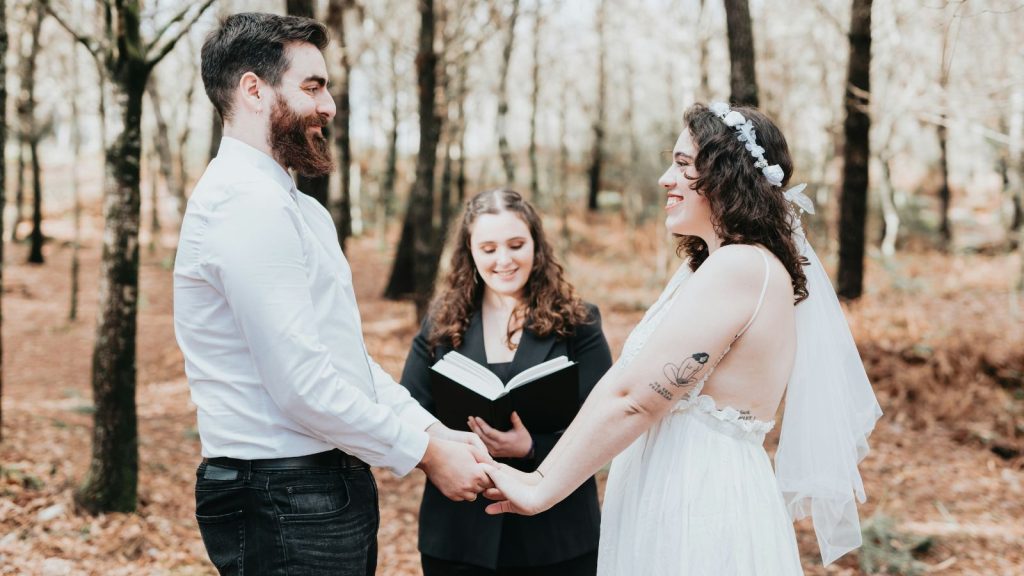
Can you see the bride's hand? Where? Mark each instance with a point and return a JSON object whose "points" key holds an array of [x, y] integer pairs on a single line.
{"points": [[516, 491]]}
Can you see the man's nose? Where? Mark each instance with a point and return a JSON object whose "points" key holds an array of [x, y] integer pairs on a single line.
{"points": [[325, 105]]}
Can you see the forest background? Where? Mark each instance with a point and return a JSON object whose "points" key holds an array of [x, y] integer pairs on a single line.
{"points": [[905, 118]]}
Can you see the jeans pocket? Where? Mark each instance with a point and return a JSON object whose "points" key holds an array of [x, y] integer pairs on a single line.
{"points": [[313, 502], [330, 534], [220, 506], [224, 538]]}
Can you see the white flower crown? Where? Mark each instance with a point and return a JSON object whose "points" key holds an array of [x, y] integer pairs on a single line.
{"points": [[772, 172]]}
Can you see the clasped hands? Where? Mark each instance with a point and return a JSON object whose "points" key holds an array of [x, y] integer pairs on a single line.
{"points": [[461, 466]]}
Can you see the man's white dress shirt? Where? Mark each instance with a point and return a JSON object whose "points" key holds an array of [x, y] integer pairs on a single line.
{"points": [[266, 317]]}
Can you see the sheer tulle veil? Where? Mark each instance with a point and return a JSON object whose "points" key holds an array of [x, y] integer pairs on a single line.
{"points": [[829, 413]]}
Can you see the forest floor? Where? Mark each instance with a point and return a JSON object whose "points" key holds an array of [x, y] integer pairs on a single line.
{"points": [[942, 337]]}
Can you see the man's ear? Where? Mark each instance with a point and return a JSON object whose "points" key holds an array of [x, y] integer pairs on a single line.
{"points": [[252, 92]]}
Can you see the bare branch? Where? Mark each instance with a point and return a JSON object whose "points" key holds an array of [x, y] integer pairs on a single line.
{"points": [[160, 33], [85, 40], [151, 62], [829, 17]]}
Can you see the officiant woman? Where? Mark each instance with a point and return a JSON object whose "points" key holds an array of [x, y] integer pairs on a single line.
{"points": [[506, 304]]}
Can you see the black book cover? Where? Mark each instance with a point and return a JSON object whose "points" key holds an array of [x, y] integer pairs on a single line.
{"points": [[547, 404]]}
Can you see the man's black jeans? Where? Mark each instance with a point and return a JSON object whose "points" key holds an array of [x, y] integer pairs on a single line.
{"points": [[273, 522]]}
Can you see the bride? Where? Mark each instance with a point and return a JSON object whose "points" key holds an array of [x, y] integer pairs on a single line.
{"points": [[750, 318]]}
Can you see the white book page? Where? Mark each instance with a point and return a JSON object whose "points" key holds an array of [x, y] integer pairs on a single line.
{"points": [[470, 374], [539, 371]]}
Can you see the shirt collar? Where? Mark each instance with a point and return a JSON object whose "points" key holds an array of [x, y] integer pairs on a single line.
{"points": [[234, 149]]}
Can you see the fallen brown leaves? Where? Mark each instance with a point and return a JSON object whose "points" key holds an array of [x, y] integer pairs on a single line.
{"points": [[941, 337]]}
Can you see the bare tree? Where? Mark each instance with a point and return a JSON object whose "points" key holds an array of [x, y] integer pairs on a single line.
{"points": [[941, 129], [76, 147], [391, 164], [416, 259], [742, 79], [3, 190], [336, 10], [506, 57], [597, 152], [127, 60], [538, 21], [19, 187], [30, 130], [856, 155]]}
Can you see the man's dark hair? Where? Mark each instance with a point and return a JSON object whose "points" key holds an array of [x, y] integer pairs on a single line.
{"points": [[252, 42]]}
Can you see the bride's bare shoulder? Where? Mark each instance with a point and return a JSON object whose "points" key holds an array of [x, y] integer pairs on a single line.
{"points": [[736, 267]]}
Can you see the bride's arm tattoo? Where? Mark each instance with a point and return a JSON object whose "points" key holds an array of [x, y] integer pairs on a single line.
{"points": [[661, 390], [684, 375]]}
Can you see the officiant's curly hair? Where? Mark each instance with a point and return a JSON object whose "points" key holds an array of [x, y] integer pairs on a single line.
{"points": [[550, 304], [745, 207]]}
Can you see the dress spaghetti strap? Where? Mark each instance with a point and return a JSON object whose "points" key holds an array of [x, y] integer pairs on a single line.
{"points": [[757, 309], [760, 299]]}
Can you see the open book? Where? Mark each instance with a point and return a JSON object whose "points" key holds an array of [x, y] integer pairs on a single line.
{"points": [[545, 396]]}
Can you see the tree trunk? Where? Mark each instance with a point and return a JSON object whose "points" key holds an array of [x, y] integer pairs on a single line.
{"points": [[391, 164], [304, 8], [632, 196], [460, 105], [856, 154], [76, 147], [181, 180], [113, 472], [35, 252], [154, 198], [336, 21], [1013, 163], [3, 192], [597, 153], [19, 187], [945, 230], [111, 482], [420, 254], [704, 92], [890, 217], [453, 172], [32, 133], [538, 20], [506, 57], [161, 137], [565, 246], [742, 79]]}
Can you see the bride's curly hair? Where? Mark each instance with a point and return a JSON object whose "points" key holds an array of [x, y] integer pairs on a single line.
{"points": [[745, 208], [550, 304]]}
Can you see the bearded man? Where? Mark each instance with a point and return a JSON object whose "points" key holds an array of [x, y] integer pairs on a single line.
{"points": [[291, 409]]}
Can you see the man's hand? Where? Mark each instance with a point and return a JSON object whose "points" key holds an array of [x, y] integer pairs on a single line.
{"points": [[442, 432], [516, 443], [457, 469]]}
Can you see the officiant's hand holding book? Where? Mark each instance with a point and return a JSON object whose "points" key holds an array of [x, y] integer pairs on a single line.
{"points": [[545, 396]]}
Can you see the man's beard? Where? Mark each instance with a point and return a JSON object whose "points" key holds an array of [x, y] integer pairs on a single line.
{"points": [[295, 146]]}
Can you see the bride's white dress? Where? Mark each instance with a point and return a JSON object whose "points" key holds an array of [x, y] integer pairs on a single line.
{"points": [[696, 494]]}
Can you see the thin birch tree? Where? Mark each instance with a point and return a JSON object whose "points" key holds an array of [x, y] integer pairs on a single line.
{"points": [[127, 60]]}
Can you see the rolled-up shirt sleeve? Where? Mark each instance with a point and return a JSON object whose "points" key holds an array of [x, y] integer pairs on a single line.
{"points": [[256, 258]]}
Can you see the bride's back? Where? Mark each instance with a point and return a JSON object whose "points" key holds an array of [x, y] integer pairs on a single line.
{"points": [[752, 376]]}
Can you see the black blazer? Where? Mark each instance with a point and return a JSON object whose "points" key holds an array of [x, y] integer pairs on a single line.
{"points": [[462, 531]]}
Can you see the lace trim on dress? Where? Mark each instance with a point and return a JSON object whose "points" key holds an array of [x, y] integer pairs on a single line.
{"points": [[706, 404]]}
